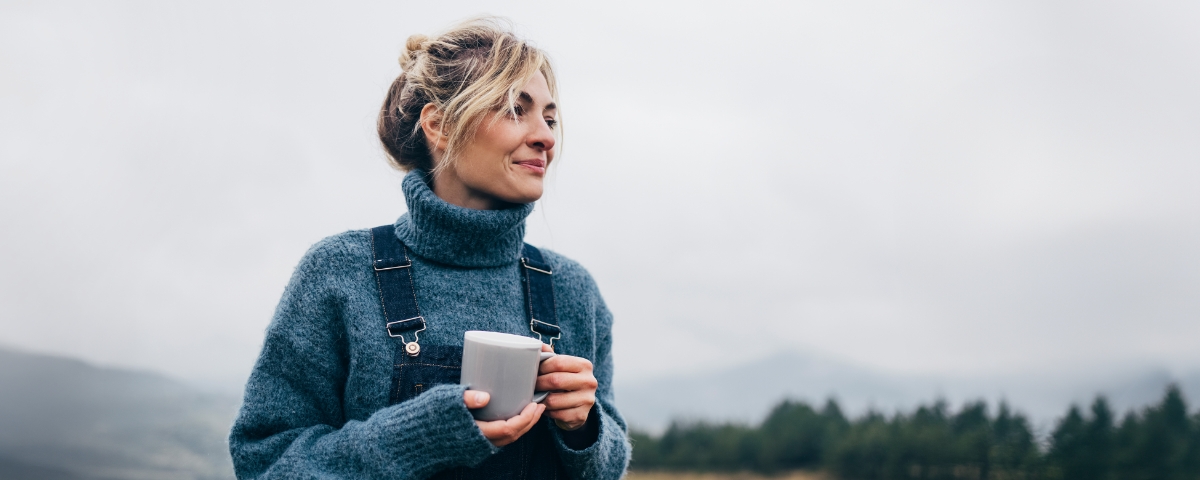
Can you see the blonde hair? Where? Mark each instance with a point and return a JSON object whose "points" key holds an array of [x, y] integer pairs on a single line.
{"points": [[471, 70]]}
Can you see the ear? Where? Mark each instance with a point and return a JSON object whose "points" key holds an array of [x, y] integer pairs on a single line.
{"points": [[431, 124]]}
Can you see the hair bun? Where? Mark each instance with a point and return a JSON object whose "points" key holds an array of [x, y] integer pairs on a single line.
{"points": [[415, 43]]}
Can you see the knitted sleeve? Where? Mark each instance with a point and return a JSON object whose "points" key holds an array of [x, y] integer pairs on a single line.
{"points": [[608, 456], [291, 423]]}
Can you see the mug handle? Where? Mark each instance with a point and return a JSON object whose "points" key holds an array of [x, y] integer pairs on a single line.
{"points": [[539, 397]]}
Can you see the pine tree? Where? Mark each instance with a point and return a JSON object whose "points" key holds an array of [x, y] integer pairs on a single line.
{"points": [[1125, 441], [1098, 442], [1014, 450], [972, 431], [1067, 446], [1162, 445]]}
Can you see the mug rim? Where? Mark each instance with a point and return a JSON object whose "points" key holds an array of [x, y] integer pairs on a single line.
{"points": [[501, 339]]}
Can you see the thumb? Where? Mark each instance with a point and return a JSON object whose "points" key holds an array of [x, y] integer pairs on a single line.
{"points": [[475, 398]]}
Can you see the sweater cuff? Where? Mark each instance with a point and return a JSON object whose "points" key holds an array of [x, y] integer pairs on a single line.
{"points": [[597, 459], [428, 434]]}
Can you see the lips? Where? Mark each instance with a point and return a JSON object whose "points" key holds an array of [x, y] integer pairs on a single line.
{"points": [[536, 165]]}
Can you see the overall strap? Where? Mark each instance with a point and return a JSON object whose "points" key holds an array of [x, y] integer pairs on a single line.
{"points": [[539, 295], [397, 293]]}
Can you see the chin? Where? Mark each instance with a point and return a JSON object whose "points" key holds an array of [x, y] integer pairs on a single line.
{"points": [[525, 194], [526, 198]]}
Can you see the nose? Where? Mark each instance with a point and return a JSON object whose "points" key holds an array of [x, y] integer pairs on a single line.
{"points": [[541, 138]]}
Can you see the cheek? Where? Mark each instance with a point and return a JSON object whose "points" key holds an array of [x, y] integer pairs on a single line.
{"points": [[499, 141], [484, 157], [484, 164]]}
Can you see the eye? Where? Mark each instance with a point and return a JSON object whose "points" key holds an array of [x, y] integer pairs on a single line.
{"points": [[518, 110], [550, 122]]}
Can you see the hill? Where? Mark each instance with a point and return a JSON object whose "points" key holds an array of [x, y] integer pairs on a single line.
{"points": [[65, 419]]}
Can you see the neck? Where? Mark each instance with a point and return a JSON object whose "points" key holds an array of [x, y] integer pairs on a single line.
{"points": [[449, 187]]}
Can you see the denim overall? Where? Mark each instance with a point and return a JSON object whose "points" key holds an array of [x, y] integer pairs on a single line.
{"points": [[418, 367]]}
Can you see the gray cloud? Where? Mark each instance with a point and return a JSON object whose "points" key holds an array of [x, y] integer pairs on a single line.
{"points": [[921, 188]]}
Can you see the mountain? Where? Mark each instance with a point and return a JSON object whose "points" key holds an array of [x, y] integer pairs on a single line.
{"points": [[65, 419], [15, 470], [746, 392]]}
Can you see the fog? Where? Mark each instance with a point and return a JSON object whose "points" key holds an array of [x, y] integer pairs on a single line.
{"points": [[957, 188]]}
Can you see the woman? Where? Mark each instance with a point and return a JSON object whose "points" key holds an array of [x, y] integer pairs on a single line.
{"points": [[358, 373]]}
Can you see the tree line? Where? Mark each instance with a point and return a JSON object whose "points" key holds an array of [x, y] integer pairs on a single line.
{"points": [[1161, 441]]}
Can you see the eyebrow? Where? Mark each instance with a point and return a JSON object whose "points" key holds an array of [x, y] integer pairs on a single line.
{"points": [[525, 97]]}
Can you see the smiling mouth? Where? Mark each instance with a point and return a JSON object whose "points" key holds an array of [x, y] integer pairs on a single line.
{"points": [[536, 165]]}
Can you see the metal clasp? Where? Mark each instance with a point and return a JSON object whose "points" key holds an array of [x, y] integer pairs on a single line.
{"points": [[389, 264], [526, 265], [411, 348], [539, 334]]}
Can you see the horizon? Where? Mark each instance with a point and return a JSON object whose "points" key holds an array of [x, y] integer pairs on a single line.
{"points": [[1043, 413]]}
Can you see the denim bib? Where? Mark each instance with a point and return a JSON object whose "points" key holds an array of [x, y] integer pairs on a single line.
{"points": [[416, 367]]}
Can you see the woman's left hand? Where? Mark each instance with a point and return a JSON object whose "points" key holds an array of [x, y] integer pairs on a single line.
{"points": [[574, 387]]}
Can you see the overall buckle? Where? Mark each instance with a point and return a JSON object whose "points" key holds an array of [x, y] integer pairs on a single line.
{"points": [[539, 327], [396, 329]]}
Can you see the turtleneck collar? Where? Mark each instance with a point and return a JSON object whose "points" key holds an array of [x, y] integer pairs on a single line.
{"points": [[450, 234]]}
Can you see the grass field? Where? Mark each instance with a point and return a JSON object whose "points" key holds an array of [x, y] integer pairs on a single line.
{"points": [[635, 475]]}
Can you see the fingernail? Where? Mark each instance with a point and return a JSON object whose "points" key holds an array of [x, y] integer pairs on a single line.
{"points": [[480, 397]]}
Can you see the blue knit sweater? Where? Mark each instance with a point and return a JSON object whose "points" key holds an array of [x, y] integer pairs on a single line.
{"points": [[316, 404]]}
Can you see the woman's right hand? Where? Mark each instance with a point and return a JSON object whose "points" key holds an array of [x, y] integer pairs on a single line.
{"points": [[503, 432]]}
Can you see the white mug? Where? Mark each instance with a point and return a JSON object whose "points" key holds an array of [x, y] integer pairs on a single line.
{"points": [[506, 367]]}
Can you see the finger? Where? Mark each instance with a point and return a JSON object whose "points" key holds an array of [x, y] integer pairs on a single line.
{"points": [[547, 348], [563, 381], [488, 429], [494, 432], [528, 415], [504, 432], [534, 416], [512, 426], [570, 419], [476, 398], [568, 426], [568, 400], [565, 363]]}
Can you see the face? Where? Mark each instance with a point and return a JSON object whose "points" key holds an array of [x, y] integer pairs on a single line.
{"points": [[506, 161]]}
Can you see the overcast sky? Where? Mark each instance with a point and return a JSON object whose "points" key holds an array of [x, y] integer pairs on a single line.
{"points": [[919, 187]]}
